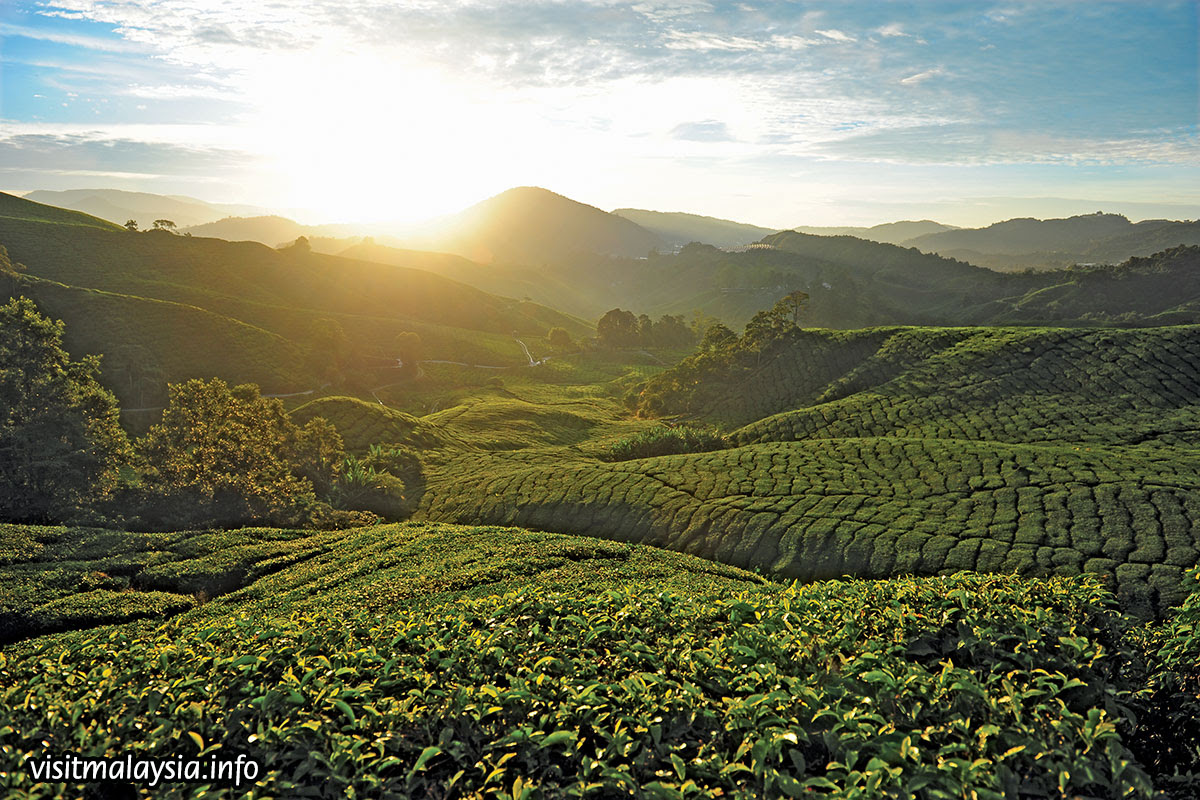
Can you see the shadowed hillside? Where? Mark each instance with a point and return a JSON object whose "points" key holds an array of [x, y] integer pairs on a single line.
{"points": [[248, 310]]}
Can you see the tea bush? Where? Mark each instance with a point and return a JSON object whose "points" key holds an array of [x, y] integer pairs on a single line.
{"points": [[664, 441], [938, 687]]}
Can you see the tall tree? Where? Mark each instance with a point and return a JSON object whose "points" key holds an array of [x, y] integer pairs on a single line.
{"points": [[618, 328], [61, 444], [224, 453]]}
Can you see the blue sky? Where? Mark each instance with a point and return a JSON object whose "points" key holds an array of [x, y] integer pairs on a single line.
{"points": [[776, 113]]}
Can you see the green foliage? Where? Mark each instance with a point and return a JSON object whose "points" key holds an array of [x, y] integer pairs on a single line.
{"points": [[868, 507], [60, 441], [315, 451], [220, 456], [1169, 709], [362, 424], [949, 687], [61, 578], [362, 487], [664, 441], [619, 328], [560, 339]]}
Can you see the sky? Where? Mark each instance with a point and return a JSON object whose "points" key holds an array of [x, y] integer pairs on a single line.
{"points": [[778, 114]]}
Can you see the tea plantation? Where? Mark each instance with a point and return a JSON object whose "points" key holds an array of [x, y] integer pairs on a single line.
{"points": [[905, 451], [423, 660], [885, 563]]}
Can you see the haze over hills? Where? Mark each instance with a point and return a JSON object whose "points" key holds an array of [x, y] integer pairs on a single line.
{"points": [[1024, 243], [273, 231], [531, 226], [677, 228], [118, 206], [888, 232], [244, 311]]}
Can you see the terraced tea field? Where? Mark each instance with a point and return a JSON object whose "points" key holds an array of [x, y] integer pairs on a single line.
{"points": [[901, 451]]}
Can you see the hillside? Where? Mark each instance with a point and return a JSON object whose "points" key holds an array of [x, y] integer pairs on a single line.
{"points": [[530, 226], [912, 450], [14, 210], [677, 229], [852, 283], [1048, 244], [547, 287], [117, 206], [887, 233], [259, 303]]}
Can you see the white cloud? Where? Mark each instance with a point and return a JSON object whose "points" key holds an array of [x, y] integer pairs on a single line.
{"points": [[74, 40], [678, 40], [837, 35], [921, 77]]}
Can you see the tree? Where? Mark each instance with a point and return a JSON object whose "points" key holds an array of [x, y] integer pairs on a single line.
{"points": [[794, 303], [61, 444], [408, 347], [618, 328], [131, 225], [221, 456], [328, 349], [559, 339], [164, 225], [671, 331], [315, 453], [716, 338]]}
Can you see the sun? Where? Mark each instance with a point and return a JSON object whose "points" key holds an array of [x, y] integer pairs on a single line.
{"points": [[375, 137]]}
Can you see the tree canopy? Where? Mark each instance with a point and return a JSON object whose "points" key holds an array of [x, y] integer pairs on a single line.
{"points": [[224, 454], [61, 444]]}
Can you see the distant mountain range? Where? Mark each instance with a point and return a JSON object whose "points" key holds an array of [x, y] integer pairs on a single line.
{"points": [[677, 229], [1046, 244], [887, 233], [274, 231], [119, 206]]}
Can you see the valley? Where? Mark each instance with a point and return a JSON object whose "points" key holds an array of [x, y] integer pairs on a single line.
{"points": [[931, 529]]}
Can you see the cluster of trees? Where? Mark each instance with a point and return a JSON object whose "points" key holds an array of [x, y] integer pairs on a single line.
{"points": [[619, 328], [159, 225], [220, 455], [331, 357], [721, 352]]}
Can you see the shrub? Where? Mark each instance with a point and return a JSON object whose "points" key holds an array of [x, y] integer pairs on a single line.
{"points": [[665, 441], [360, 486]]}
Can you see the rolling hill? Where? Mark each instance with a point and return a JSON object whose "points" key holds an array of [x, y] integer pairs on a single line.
{"points": [[1039, 451], [677, 229], [255, 304], [887, 233], [117, 206]]}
